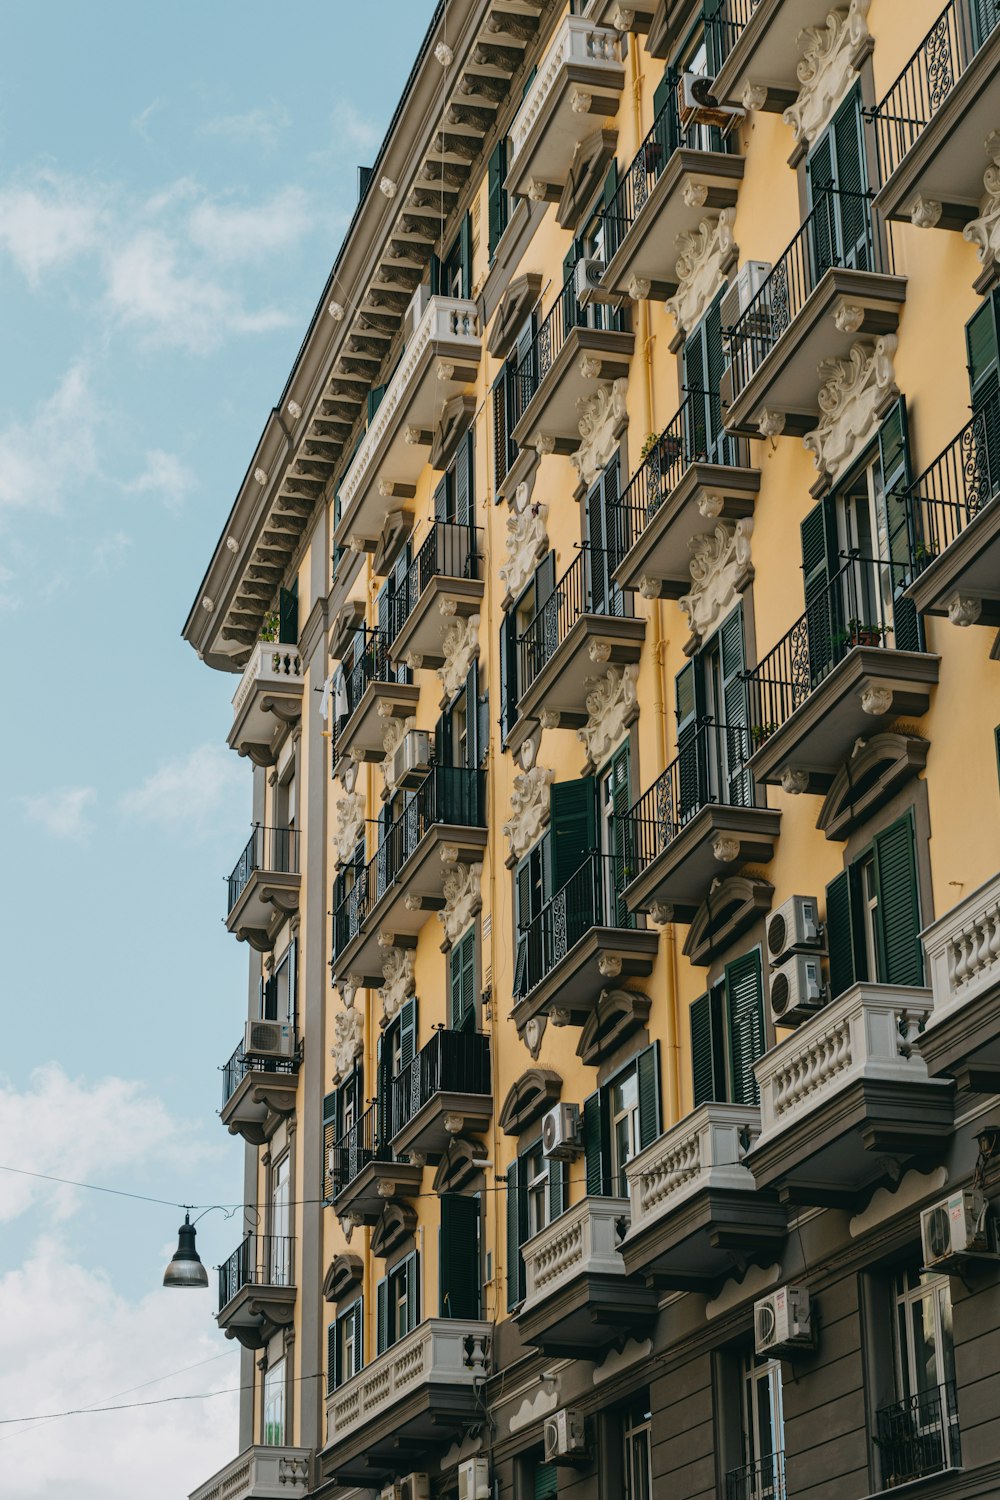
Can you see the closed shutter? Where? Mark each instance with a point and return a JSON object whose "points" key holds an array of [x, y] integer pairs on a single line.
{"points": [[522, 917], [623, 867], [465, 252], [358, 1313], [823, 611], [462, 975], [894, 452], [382, 1315], [690, 751], [744, 992], [497, 198], [546, 609], [375, 400], [411, 1307], [696, 387], [663, 96], [498, 398], [648, 1074], [482, 727], [572, 826], [508, 675], [985, 16], [288, 615], [571, 310], [557, 1189], [819, 178], [444, 498], [332, 1357], [546, 1482], [517, 1231], [463, 481], [735, 742], [596, 1144], [292, 961], [982, 479], [407, 1032], [853, 213], [612, 229], [458, 1257], [708, 1073], [719, 442], [898, 929], [840, 934]]}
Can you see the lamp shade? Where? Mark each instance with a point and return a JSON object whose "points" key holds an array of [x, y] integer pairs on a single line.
{"points": [[186, 1268]]}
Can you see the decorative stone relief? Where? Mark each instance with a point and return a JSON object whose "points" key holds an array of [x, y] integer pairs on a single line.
{"points": [[771, 424], [754, 97], [534, 1030], [462, 899], [725, 849], [397, 972], [393, 733], [460, 644], [925, 213], [855, 393], [527, 540], [965, 609], [794, 782], [350, 811], [529, 802], [703, 257], [612, 705], [720, 570], [348, 1026], [601, 416], [639, 288], [827, 69], [660, 912], [876, 700], [984, 231]]}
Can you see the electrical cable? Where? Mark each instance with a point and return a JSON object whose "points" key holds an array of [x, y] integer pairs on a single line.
{"points": [[83, 1411]]}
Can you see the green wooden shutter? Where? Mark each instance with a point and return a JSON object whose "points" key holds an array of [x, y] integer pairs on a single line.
{"points": [[894, 452], [444, 498], [508, 674], [820, 180], [293, 980], [332, 1356], [465, 252], [358, 1310], [840, 934], [612, 229], [735, 742], [663, 95], [375, 395], [985, 16], [982, 344], [571, 310], [557, 1189], [647, 1068], [687, 695], [458, 1257], [500, 439], [517, 1231], [407, 1032], [497, 198], [462, 967], [623, 868], [715, 363], [572, 826], [596, 1145], [744, 993], [288, 615], [708, 1074], [696, 386], [852, 210], [819, 566], [546, 1482], [382, 1315], [463, 481], [522, 916], [898, 928]]}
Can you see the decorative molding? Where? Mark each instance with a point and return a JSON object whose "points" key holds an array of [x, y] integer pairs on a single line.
{"points": [[886, 1203], [704, 255], [533, 1408], [397, 972], [757, 1280], [852, 399], [827, 69], [601, 418], [794, 781], [754, 96], [348, 986], [349, 1031], [720, 569], [396, 1223], [350, 810], [462, 899], [617, 1015], [534, 1031], [529, 802], [393, 733], [619, 1360], [875, 700], [984, 230], [463, 1160], [873, 772], [731, 907], [925, 213], [527, 540], [725, 849], [528, 1098], [343, 1274], [638, 288], [612, 706], [965, 609], [460, 645], [771, 424]]}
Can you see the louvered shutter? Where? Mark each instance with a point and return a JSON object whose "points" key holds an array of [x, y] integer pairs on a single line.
{"points": [[982, 478], [840, 934], [517, 1231], [613, 539], [462, 973], [707, 1062], [496, 197], [898, 928], [358, 1313], [557, 1189], [696, 386], [734, 743], [572, 312], [522, 917], [331, 1134], [819, 177], [823, 610], [689, 747], [498, 398], [410, 1269], [288, 615], [623, 867], [719, 442], [463, 481], [293, 980], [894, 451], [744, 994], [443, 498], [572, 826], [332, 1356], [851, 175], [508, 674], [612, 229], [546, 1482], [454, 989], [458, 1257], [648, 1075], [663, 98], [407, 1032], [382, 1315], [596, 1145], [985, 16], [482, 728], [465, 253]]}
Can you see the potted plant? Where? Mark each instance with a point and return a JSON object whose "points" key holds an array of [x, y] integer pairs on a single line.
{"points": [[924, 553], [269, 626], [760, 732], [859, 633]]}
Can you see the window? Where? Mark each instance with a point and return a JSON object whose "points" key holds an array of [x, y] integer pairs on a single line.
{"points": [[459, 1253], [873, 914], [281, 1222], [345, 1345], [274, 1404], [288, 615], [530, 602], [454, 502], [452, 276], [638, 1472], [397, 1302], [982, 350], [761, 1474], [918, 1433], [392, 605], [606, 597], [462, 734], [506, 406], [712, 712], [837, 178], [704, 362], [536, 1195], [621, 1119], [396, 1048], [614, 798], [727, 1035], [462, 983], [499, 203], [597, 240], [277, 992], [533, 887]]}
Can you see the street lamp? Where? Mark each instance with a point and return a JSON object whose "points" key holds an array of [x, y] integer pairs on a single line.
{"points": [[186, 1268]]}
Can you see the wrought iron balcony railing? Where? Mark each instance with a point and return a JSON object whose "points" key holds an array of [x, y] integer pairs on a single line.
{"points": [[590, 898], [451, 1062], [841, 230], [952, 491], [710, 767], [450, 794], [272, 849], [763, 1479], [564, 315], [693, 435], [725, 21], [347, 1155], [929, 78], [452, 549], [581, 590], [860, 606], [918, 1435], [241, 1063], [260, 1260]]}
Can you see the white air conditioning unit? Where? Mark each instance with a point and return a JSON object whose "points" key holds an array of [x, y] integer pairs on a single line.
{"points": [[697, 105], [411, 759], [414, 1487], [794, 926], [565, 1436], [269, 1039], [474, 1479], [587, 282], [389, 1492], [797, 990], [561, 1132], [782, 1322], [955, 1230], [741, 292]]}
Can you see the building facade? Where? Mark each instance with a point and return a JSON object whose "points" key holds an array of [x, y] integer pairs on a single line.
{"points": [[613, 603]]}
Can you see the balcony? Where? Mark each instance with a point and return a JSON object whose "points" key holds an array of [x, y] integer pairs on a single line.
{"points": [[257, 1094], [696, 1210], [257, 1289], [444, 582], [439, 362], [578, 85], [849, 666], [932, 126], [758, 47], [578, 1298], [418, 1397], [676, 178], [260, 1473], [267, 701], [443, 1092], [962, 1036], [365, 697], [764, 1479], [846, 1101], [688, 482], [574, 350], [442, 823], [263, 890], [571, 641], [833, 286], [954, 518], [918, 1436], [361, 1170], [581, 942], [697, 823]]}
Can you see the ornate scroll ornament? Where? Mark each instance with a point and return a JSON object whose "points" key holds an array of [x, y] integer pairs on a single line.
{"points": [[852, 399], [601, 416], [965, 609], [534, 1030], [348, 1028], [703, 256], [350, 825], [527, 540], [827, 69], [460, 644], [348, 986], [529, 802], [397, 972], [984, 231], [393, 733], [462, 899], [612, 705], [720, 570]]}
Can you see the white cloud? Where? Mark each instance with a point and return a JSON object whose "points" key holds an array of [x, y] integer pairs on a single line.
{"points": [[8, 599], [140, 122], [354, 129], [231, 232], [110, 552], [164, 476], [260, 127], [62, 812], [48, 221], [192, 790], [42, 458]]}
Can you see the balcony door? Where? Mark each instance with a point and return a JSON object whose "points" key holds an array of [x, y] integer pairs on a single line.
{"points": [[705, 437], [614, 798], [713, 724], [920, 1434], [280, 1220], [603, 528], [982, 469], [837, 177], [762, 1431]]}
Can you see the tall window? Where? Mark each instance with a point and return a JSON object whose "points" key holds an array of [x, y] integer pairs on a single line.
{"points": [[621, 1119], [918, 1434], [761, 1474], [638, 1469], [727, 1035], [462, 983], [397, 1302], [274, 1404], [925, 1345], [345, 1350], [536, 1194], [873, 914], [280, 1221]]}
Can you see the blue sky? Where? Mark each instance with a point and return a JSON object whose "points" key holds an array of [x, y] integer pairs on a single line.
{"points": [[175, 181]]}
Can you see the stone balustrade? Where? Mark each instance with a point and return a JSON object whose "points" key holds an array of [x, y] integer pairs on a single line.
{"points": [[576, 43], [262, 1473], [582, 1241], [963, 952], [703, 1150], [271, 665]]}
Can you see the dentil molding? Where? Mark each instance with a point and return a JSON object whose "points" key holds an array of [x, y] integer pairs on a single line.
{"points": [[827, 69], [527, 540], [853, 398], [720, 570], [704, 256], [612, 705], [601, 419]]}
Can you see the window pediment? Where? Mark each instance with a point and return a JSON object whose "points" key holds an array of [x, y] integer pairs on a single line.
{"points": [[873, 773], [616, 1016], [534, 1092], [460, 1164], [728, 910], [345, 1273], [397, 1223], [518, 300], [586, 176]]}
